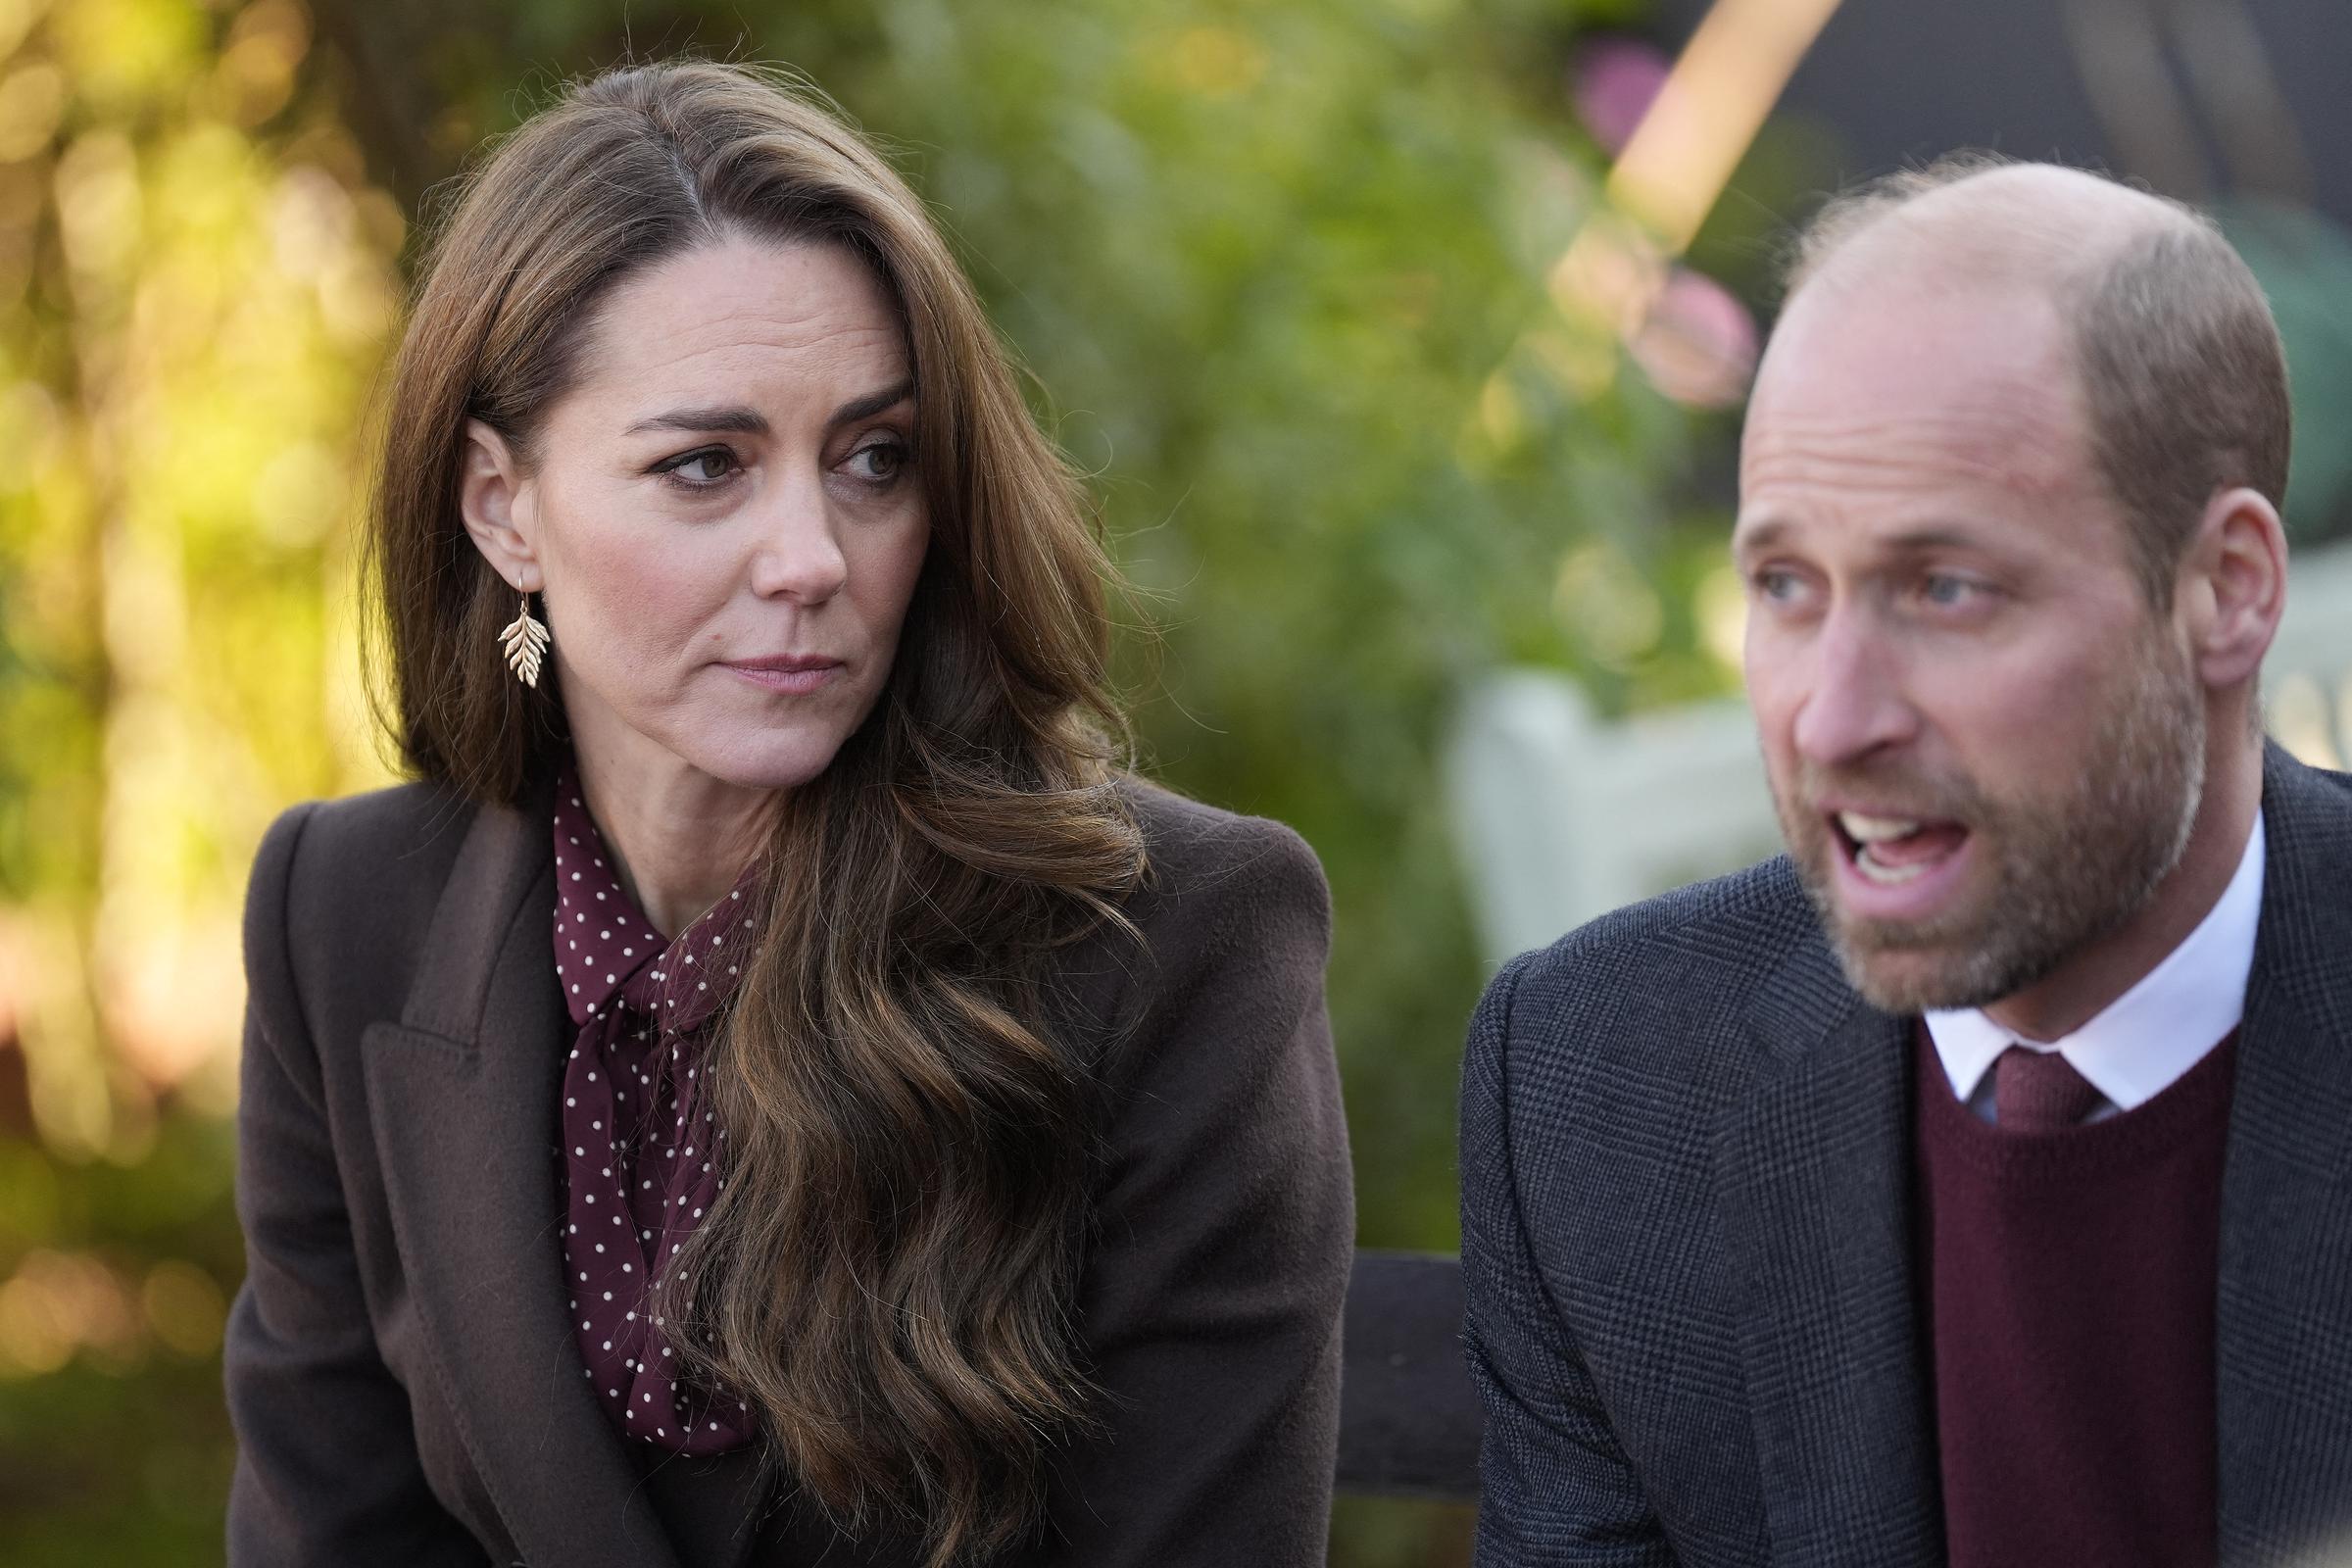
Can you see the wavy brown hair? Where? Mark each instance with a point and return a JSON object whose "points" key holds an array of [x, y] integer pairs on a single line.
{"points": [[887, 1275]]}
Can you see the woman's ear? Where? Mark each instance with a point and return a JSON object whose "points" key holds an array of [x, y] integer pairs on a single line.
{"points": [[494, 495]]}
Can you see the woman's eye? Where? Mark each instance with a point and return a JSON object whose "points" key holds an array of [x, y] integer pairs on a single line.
{"points": [[695, 470], [879, 460]]}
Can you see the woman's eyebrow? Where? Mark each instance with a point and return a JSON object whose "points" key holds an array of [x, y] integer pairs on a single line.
{"points": [[750, 422], [742, 420], [873, 403]]}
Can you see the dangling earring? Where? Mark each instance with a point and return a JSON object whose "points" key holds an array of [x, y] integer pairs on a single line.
{"points": [[524, 639]]}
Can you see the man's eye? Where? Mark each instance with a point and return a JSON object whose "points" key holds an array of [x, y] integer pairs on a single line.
{"points": [[1947, 591], [707, 467], [1775, 584]]}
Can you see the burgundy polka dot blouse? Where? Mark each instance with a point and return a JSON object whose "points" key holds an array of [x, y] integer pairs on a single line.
{"points": [[640, 1153]]}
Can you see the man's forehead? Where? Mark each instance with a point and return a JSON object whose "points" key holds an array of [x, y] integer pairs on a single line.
{"points": [[1888, 375]]}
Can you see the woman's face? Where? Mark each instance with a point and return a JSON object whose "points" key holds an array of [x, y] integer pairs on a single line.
{"points": [[724, 516]]}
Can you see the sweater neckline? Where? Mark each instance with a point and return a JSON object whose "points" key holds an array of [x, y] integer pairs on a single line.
{"points": [[2196, 1100]]}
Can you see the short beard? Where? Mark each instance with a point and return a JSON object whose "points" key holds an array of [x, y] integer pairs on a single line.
{"points": [[2069, 869]]}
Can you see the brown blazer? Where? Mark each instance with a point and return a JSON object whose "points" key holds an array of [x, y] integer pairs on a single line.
{"points": [[400, 1364]]}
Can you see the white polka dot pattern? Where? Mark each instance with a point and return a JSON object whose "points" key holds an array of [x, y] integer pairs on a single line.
{"points": [[642, 1158]]}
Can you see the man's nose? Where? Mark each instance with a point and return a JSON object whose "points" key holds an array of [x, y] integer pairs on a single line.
{"points": [[1854, 704], [798, 555]]}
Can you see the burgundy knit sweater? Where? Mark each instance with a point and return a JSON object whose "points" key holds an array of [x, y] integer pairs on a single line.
{"points": [[2067, 1312]]}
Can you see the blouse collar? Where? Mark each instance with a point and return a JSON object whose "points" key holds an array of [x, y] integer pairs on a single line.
{"points": [[609, 952]]}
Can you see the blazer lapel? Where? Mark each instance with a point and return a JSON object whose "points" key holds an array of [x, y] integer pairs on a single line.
{"points": [[1816, 1174], [718, 1508], [463, 1098], [2283, 1330]]}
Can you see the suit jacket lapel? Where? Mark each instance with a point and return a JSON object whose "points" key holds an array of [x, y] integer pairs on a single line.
{"points": [[1816, 1176], [462, 1093], [2283, 1348]]}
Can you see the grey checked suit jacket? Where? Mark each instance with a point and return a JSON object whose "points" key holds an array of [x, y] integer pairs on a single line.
{"points": [[1685, 1212]]}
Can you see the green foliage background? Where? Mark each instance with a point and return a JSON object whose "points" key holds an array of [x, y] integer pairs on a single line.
{"points": [[1279, 267]]}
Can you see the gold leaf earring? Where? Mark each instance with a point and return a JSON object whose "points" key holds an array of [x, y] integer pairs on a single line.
{"points": [[524, 639]]}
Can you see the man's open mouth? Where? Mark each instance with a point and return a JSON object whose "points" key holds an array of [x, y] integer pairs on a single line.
{"points": [[1894, 850]]}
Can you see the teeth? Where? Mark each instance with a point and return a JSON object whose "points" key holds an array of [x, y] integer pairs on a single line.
{"points": [[1876, 830], [1887, 875]]}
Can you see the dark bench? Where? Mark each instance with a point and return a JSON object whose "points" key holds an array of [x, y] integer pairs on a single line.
{"points": [[1408, 1416]]}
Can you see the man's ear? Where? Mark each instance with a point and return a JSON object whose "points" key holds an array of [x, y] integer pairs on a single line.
{"points": [[2232, 587], [494, 497]]}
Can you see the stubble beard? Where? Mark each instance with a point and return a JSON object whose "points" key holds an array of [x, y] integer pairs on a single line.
{"points": [[2067, 869]]}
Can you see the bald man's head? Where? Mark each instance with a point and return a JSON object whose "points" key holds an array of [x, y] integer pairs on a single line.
{"points": [[1979, 218], [2180, 373]]}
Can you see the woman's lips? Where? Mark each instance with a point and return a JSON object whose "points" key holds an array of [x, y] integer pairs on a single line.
{"points": [[794, 674]]}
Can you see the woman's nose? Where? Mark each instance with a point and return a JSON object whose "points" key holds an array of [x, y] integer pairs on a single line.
{"points": [[799, 556]]}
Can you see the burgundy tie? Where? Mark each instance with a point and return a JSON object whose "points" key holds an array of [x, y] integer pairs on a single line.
{"points": [[2039, 1092]]}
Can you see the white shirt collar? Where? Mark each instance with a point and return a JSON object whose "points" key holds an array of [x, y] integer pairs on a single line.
{"points": [[2144, 1039]]}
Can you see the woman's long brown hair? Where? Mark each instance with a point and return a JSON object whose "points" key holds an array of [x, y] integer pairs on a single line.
{"points": [[887, 1275]]}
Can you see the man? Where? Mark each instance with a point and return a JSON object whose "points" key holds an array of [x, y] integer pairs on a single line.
{"points": [[1974, 1182]]}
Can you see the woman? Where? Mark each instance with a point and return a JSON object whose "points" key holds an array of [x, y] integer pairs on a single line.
{"points": [[771, 1091]]}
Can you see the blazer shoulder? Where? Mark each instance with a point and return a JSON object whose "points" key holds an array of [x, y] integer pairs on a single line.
{"points": [[368, 846], [386, 832], [1232, 910], [1199, 852], [1757, 913], [346, 887], [2296, 789], [1668, 976]]}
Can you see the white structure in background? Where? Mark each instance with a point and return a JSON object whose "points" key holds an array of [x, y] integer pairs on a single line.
{"points": [[1562, 817]]}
